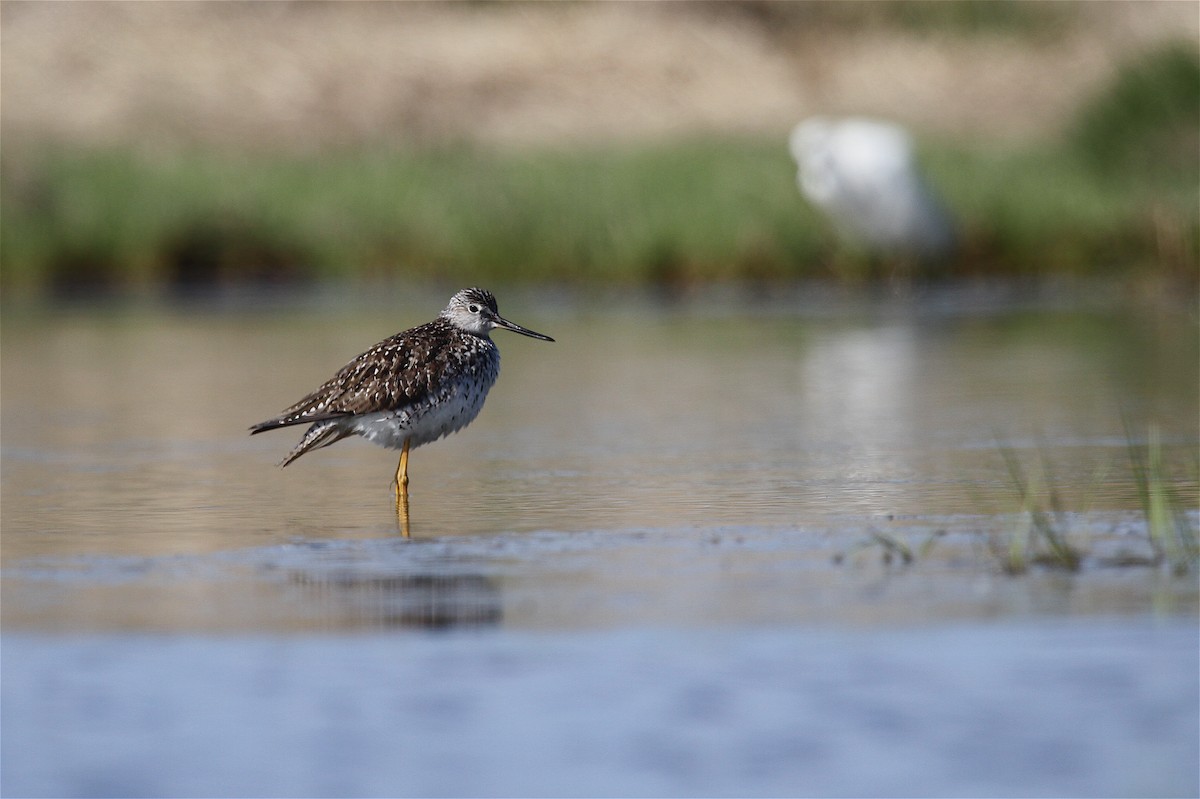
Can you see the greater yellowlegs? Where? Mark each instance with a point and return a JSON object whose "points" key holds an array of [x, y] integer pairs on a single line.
{"points": [[409, 389]]}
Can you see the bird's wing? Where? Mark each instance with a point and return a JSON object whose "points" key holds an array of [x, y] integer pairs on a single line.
{"points": [[397, 372]]}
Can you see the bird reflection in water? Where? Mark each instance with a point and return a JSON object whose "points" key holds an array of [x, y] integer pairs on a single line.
{"points": [[430, 601]]}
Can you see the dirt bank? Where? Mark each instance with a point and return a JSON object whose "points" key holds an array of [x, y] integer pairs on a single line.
{"points": [[304, 76]]}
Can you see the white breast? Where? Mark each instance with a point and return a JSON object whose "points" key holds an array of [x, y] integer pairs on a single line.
{"points": [[453, 410]]}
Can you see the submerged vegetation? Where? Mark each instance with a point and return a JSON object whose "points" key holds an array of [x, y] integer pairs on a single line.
{"points": [[1042, 535], [1171, 533]]}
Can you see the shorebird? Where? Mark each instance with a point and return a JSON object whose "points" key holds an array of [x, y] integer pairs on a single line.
{"points": [[863, 174], [409, 389]]}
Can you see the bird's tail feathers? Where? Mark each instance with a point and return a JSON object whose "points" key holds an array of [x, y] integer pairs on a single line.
{"points": [[321, 434], [270, 424]]}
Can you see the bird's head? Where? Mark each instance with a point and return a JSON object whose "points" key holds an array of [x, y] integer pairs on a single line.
{"points": [[474, 311]]}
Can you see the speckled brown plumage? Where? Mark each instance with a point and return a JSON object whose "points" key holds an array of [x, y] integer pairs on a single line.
{"points": [[401, 370], [413, 387]]}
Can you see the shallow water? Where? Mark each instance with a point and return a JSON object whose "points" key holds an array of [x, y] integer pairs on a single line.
{"points": [[1090, 709], [667, 487]]}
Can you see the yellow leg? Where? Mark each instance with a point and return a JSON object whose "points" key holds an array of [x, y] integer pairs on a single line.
{"points": [[402, 470], [402, 513], [402, 492]]}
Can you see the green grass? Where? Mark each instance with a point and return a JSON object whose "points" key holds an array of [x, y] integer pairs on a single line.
{"points": [[1146, 121], [1117, 193], [688, 211], [693, 211], [1042, 537], [1039, 537], [1171, 534], [1040, 211]]}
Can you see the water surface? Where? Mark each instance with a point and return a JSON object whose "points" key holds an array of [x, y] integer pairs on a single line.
{"points": [[652, 516], [746, 434]]}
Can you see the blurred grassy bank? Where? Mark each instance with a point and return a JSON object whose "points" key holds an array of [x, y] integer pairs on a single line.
{"points": [[146, 147], [677, 213], [1116, 194]]}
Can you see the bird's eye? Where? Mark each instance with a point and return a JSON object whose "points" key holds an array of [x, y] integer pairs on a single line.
{"points": [[473, 308]]}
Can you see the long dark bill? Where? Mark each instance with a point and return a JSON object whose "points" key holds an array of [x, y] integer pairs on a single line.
{"points": [[524, 331]]}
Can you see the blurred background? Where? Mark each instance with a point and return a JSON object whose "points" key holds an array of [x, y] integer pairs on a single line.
{"points": [[864, 461], [153, 147]]}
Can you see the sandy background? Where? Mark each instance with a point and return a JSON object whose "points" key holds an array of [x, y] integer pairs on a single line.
{"points": [[305, 76]]}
